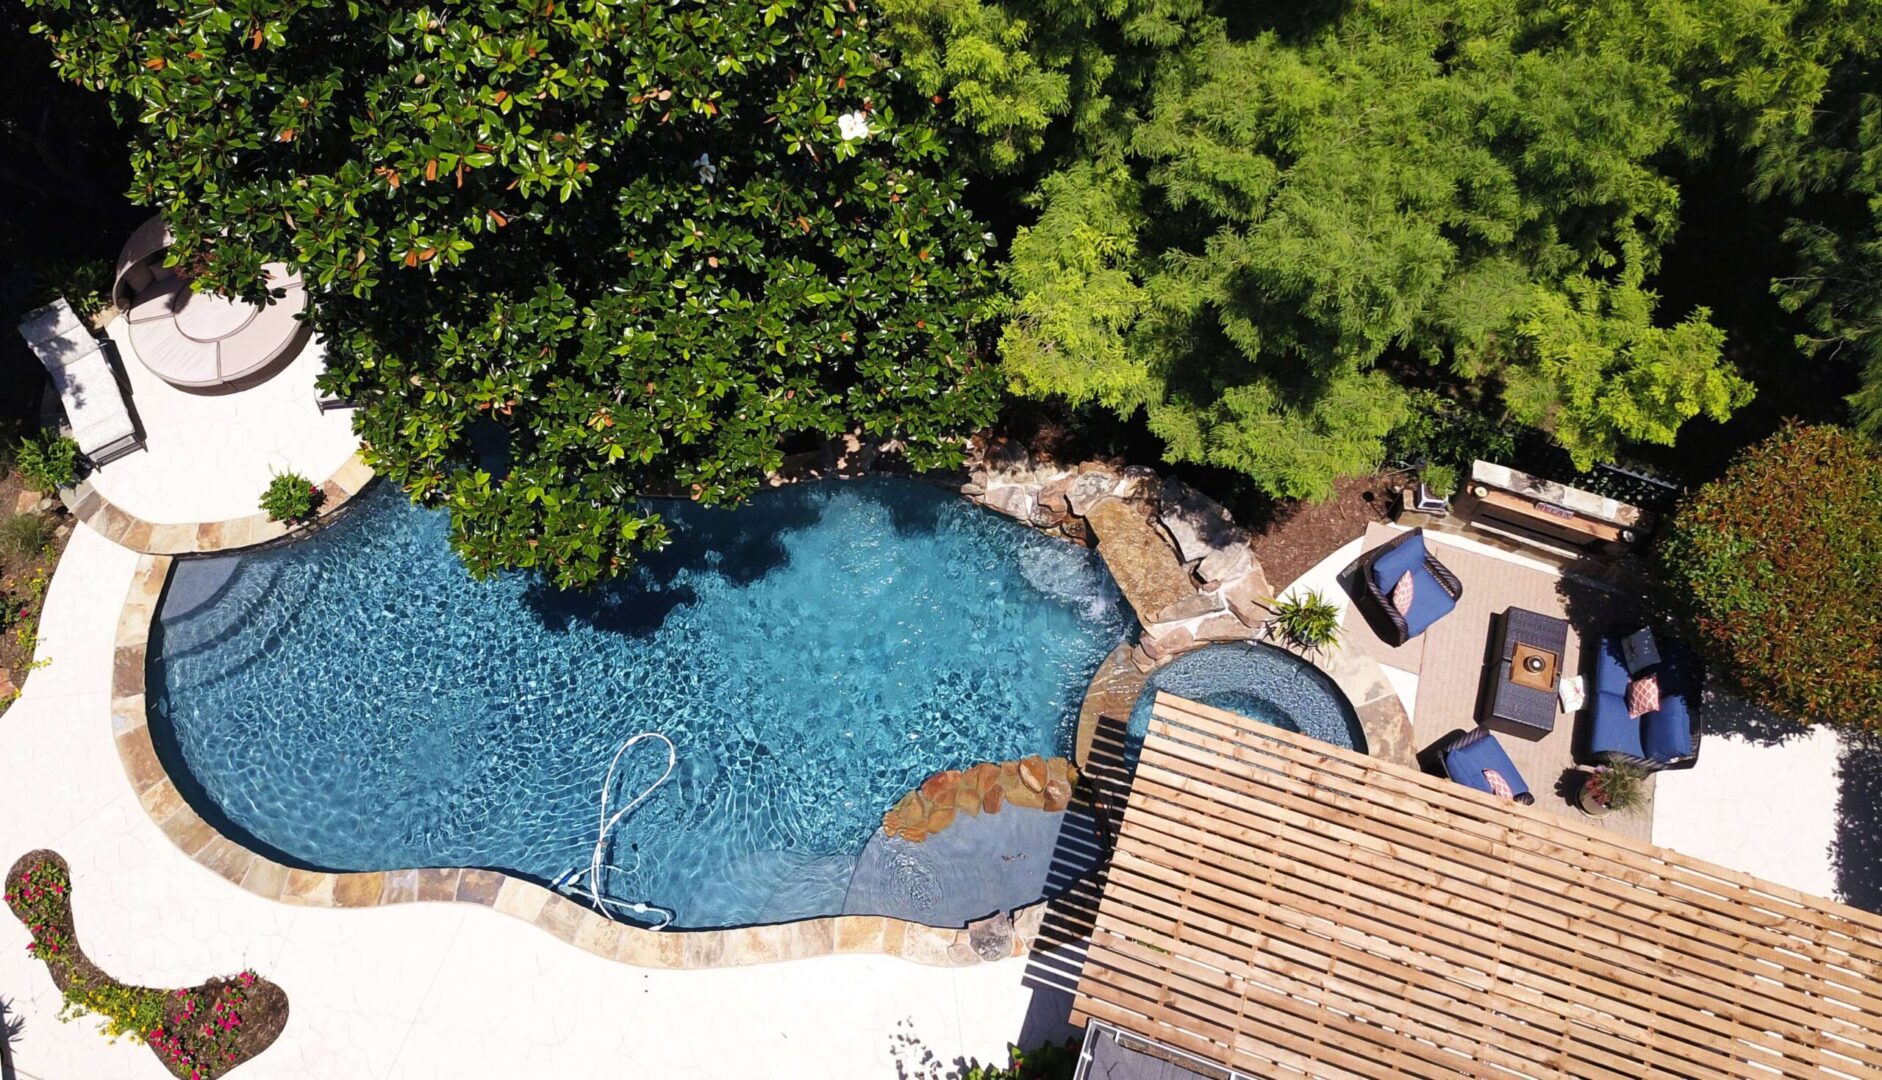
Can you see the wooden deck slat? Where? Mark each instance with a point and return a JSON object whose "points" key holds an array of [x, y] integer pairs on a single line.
{"points": [[1670, 957], [1291, 908]]}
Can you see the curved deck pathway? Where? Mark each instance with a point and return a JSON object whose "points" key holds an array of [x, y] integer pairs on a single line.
{"points": [[414, 989]]}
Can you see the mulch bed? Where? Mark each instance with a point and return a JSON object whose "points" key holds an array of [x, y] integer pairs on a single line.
{"points": [[17, 573], [1302, 534], [263, 1012]]}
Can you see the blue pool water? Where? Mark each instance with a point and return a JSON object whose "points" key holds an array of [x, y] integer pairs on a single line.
{"points": [[356, 702], [1257, 681]]}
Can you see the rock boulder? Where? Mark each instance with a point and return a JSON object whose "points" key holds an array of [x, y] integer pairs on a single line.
{"points": [[991, 938], [1146, 570], [1202, 529], [1086, 489]]}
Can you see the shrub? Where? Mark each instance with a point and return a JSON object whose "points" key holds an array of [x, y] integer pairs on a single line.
{"points": [[26, 534], [290, 497], [1621, 786], [47, 462], [1308, 619], [1053, 1061], [1441, 480], [40, 899], [1777, 566], [85, 284], [1445, 432]]}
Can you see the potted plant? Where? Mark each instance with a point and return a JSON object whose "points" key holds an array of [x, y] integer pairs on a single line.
{"points": [[1307, 619], [1621, 786], [1436, 485]]}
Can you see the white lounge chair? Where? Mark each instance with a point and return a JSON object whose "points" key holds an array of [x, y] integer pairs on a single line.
{"points": [[101, 422]]}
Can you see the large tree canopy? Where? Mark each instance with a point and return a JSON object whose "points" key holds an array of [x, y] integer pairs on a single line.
{"points": [[1245, 220], [649, 242]]}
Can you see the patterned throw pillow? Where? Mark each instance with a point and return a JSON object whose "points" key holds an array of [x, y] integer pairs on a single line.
{"points": [[1402, 593], [1643, 696], [1499, 786]]}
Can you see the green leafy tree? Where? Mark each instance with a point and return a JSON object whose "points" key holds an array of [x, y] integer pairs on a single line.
{"points": [[1248, 222], [1777, 565], [638, 247]]}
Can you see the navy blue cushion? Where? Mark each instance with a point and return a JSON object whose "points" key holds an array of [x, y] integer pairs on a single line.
{"points": [[1429, 600], [1610, 729], [1468, 758], [1610, 669], [1408, 555], [1667, 733]]}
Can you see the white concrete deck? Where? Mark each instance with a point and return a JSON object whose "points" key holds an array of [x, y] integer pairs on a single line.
{"points": [[414, 990], [1765, 808], [208, 456]]}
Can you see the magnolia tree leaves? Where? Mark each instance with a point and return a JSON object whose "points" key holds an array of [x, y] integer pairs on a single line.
{"points": [[646, 244]]}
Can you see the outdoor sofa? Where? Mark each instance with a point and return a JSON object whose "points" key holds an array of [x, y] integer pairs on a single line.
{"points": [[94, 405], [1667, 737], [1435, 590], [1469, 754]]}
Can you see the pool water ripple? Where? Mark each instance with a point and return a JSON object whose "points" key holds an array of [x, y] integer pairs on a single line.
{"points": [[356, 702]]}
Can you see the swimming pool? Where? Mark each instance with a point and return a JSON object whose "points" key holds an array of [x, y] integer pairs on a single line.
{"points": [[1260, 682], [356, 702]]}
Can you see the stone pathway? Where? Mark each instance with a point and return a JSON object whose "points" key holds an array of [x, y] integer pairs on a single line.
{"points": [[419, 989]]}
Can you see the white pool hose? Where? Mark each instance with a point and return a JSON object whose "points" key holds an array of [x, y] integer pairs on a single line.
{"points": [[606, 826]]}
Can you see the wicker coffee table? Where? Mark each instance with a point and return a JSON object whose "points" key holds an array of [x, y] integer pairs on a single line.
{"points": [[1530, 651]]}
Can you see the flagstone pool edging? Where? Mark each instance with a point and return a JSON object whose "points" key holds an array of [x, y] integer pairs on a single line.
{"points": [[89, 505], [525, 900]]}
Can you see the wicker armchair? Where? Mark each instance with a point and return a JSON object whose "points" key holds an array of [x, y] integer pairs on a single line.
{"points": [[1435, 590]]}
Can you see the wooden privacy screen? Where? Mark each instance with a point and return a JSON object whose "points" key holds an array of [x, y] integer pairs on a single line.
{"points": [[1287, 907]]}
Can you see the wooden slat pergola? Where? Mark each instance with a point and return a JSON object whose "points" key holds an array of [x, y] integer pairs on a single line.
{"points": [[1285, 907]]}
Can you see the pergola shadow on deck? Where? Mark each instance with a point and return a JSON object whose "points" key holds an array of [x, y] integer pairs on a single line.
{"points": [[1285, 907]]}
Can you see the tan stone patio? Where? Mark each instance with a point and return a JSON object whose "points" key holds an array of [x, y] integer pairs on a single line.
{"points": [[1452, 661]]}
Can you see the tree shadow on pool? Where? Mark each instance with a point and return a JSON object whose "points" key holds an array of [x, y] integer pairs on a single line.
{"points": [[741, 546]]}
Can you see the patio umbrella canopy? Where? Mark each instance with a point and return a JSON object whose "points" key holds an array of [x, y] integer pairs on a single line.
{"points": [[199, 339]]}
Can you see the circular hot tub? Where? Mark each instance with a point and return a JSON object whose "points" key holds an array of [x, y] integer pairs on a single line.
{"points": [[1260, 682]]}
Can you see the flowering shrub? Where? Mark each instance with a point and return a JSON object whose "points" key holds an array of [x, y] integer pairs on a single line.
{"points": [[199, 1032], [202, 1038], [40, 900], [290, 497], [1778, 565]]}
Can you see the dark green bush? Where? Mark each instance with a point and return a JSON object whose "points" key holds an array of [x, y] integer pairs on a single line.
{"points": [[47, 462], [1451, 434], [1778, 565], [290, 497], [85, 284]]}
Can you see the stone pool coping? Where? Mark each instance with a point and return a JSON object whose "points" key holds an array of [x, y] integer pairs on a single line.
{"points": [[514, 896], [1118, 683], [126, 529]]}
